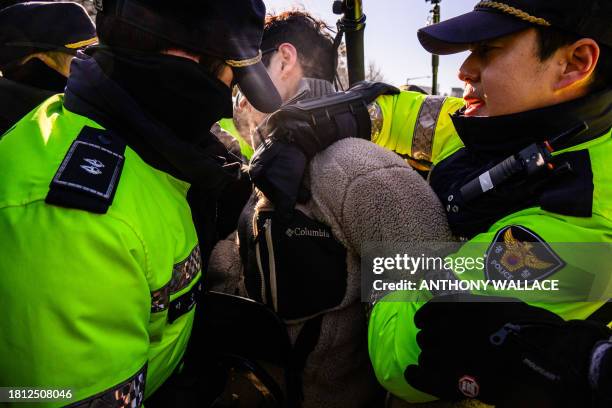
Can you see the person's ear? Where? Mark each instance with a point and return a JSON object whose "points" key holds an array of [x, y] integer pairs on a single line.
{"points": [[289, 57], [243, 103], [578, 61]]}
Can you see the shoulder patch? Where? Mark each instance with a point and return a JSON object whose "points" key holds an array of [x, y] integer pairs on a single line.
{"points": [[518, 253], [88, 176]]}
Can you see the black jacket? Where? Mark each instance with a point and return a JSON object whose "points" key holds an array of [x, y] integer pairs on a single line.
{"points": [[16, 100]]}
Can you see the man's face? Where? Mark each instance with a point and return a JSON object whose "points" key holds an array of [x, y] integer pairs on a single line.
{"points": [[275, 72], [246, 117], [505, 76]]}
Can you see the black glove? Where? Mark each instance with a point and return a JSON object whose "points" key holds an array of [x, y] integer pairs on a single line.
{"points": [[313, 124], [298, 131], [503, 352], [277, 169]]}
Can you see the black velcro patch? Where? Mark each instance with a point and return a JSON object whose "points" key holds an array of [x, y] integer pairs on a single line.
{"points": [[184, 303], [518, 253], [88, 176], [90, 168]]}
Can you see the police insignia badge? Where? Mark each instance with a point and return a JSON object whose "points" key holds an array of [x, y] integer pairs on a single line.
{"points": [[517, 253], [89, 174]]}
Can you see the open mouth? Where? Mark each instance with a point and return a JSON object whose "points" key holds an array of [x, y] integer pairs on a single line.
{"points": [[473, 105]]}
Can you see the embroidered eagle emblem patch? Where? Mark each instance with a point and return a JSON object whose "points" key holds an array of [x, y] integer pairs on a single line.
{"points": [[517, 253]]}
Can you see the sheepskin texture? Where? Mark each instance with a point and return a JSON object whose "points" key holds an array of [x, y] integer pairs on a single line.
{"points": [[365, 194], [225, 272]]}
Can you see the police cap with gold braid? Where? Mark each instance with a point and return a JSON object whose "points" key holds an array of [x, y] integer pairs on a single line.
{"points": [[493, 19], [230, 30], [27, 28]]}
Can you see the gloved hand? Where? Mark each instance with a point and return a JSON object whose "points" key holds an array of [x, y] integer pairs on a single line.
{"points": [[503, 352], [277, 169], [296, 132], [313, 124]]}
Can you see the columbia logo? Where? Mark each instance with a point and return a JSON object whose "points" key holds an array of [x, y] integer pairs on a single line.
{"points": [[307, 232]]}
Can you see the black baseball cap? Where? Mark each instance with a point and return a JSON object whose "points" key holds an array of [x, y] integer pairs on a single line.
{"points": [[230, 30], [27, 28], [493, 19]]}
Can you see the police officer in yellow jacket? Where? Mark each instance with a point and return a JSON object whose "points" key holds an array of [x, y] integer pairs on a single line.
{"points": [[101, 262], [34, 60], [537, 87]]}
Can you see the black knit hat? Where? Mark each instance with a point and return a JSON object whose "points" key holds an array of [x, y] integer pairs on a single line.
{"points": [[230, 30], [32, 27], [493, 19]]}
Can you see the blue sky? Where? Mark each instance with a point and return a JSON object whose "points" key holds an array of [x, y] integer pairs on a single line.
{"points": [[390, 36]]}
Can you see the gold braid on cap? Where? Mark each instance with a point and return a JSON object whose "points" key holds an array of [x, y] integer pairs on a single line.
{"points": [[82, 44], [244, 62], [514, 12]]}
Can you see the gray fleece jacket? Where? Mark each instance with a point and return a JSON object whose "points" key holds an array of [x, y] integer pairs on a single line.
{"points": [[367, 194], [364, 193]]}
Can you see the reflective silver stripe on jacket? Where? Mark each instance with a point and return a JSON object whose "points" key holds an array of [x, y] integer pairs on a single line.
{"points": [[182, 275], [425, 127], [129, 393], [376, 119]]}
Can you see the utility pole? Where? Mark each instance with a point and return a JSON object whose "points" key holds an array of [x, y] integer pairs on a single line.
{"points": [[435, 59], [352, 24]]}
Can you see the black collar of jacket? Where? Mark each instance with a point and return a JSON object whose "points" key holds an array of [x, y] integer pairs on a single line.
{"points": [[16, 100], [501, 136], [488, 141], [193, 155]]}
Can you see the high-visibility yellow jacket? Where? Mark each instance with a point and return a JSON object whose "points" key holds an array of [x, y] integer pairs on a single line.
{"points": [[97, 303], [419, 128]]}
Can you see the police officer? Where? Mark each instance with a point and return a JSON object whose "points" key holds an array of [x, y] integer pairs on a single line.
{"points": [[101, 262], [537, 81], [37, 43]]}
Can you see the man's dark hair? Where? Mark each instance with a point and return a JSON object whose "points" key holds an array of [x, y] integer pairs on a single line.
{"points": [[310, 37], [115, 33], [551, 39]]}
